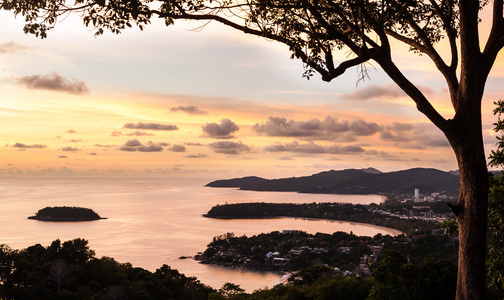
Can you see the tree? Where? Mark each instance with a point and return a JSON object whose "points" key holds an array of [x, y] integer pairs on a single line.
{"points": [[495, 256], [314, 29], [6, 265], [229, 290], [58, 273], [395, 278]]}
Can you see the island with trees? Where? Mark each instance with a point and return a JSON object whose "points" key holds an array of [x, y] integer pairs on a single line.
{"points": [[65, 214]]}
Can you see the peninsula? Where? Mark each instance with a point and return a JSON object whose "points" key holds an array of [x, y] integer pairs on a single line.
{"points": [[352, 181], [66, 214]]}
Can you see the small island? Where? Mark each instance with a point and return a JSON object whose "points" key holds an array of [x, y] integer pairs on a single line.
{"points": [[66, 214]]}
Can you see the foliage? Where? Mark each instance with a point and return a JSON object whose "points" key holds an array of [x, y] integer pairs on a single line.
{"points": [[450, 227], [70, 270], [230, 290], [396, 279], [496, 157], [495, 255], [318, 283]]}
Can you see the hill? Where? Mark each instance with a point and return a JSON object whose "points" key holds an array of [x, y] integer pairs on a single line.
{"points": [[352, 181], [237, 182]]}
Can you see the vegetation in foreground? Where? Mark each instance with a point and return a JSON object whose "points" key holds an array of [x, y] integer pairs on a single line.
{"points": [[70, 270]]}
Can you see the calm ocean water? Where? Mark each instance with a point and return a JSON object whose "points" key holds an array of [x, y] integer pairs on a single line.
{"points": [[152, 222]]}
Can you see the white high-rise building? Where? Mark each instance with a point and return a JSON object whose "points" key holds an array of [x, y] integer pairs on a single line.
{"points": [[417, 195]]}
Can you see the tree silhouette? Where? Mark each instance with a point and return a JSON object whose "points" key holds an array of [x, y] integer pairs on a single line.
{"points": [[314, 29], [495, 255], [58, 273]]}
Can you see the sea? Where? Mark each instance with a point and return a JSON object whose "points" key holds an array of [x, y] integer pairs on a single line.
{"points": [[154, 221]]}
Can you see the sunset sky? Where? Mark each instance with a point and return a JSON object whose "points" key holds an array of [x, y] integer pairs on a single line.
{"points": [[215, 103]]}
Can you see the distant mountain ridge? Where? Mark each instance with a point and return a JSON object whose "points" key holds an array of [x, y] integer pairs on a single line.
{"points": [[353, 181], [237, 182]]}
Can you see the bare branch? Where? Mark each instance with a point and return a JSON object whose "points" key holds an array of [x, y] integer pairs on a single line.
{"points": [[495, 40], [423, 105]]}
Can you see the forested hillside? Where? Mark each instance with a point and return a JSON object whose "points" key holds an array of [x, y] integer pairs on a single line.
{"points": [[354, 181]]}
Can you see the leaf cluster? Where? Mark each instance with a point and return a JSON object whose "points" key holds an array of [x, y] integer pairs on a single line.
{"points": [[495, 255], [496, 156]]}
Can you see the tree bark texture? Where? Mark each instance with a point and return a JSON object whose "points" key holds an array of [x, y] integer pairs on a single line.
{"points": [[466, 140]]}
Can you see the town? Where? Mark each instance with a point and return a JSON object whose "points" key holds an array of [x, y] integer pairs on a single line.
{"points": [[348, 254], [429, 207]]}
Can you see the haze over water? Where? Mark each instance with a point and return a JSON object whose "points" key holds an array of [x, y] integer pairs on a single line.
{"points": [[152, 222]]}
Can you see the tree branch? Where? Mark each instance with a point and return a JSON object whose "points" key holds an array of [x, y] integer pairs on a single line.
{"points": [[448, 72], [423, 105], [495, 40]]}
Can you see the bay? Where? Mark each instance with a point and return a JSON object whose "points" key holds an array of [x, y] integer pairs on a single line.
{"points": [[152, 222]]}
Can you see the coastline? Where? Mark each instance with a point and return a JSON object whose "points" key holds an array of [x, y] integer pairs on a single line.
{"points": [[391, 231], [50, 219]]}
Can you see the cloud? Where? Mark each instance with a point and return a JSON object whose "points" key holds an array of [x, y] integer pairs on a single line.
{"points": [[71, 131], [314, 129], [93, 153], [363, 128], [150, 126], [11, 47], [193, 144], [285, 158], [388, 91], [70, 149], [135, 145], [191, 110], [139, 133], [53, 82], [24, 146], [223, 130], [76, 141], [312, 148], [199, 155], [62, 156], [414, 136], [135, 133], [177, 148], [228, 147], [105, 146]]}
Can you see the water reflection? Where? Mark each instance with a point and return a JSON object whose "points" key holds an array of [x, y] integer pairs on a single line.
{"points": [[152, 222]]}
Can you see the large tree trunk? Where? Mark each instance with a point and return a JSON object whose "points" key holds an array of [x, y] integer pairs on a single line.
{"points": [[466, 140]]}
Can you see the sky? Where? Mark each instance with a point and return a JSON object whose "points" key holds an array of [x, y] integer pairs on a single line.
{"points": [[211, 103]]}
